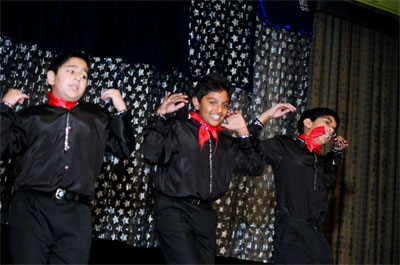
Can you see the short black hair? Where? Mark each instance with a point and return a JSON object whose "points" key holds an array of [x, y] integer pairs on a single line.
{"points": [[210, 83], [60, 59], [315, 113]]}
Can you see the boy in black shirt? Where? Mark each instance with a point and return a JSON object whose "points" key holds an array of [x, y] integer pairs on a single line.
{"points": [[62, 145], [195, 162], [302, 177]]}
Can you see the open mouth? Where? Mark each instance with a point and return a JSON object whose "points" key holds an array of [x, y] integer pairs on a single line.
{"points": [[74, 87], [215, 117]]}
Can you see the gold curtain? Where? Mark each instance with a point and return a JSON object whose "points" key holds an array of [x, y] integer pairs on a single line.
{"points": [[355, 71]]}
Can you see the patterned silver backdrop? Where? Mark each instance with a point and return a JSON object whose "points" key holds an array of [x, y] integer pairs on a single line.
{"points": [[220, 39], [246, 213], [122, 208]]}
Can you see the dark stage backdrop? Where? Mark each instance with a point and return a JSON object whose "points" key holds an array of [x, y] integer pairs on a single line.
{"points": [[150, 32]]}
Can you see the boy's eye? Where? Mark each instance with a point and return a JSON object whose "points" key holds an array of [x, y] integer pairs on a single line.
{"points": [[225, 106], [83, 76]]}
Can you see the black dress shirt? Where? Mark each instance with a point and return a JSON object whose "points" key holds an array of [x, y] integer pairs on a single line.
{"points": [[184, 171], [301, 177], [63, 148]]}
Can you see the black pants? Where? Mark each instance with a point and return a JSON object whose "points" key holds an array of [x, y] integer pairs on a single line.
{"points": [[297, 242], [186, 232], [45, 230]]}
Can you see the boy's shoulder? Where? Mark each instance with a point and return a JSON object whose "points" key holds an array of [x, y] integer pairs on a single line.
{"points": [[91, 106], [45, 108], [33, 110], [280, 140]]}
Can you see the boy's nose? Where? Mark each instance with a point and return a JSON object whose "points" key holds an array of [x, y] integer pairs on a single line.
{"points": [[331, 131]]}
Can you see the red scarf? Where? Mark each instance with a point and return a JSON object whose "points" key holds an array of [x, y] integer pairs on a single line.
{"points": [[205, 130], [58, 102], [311, 144]]}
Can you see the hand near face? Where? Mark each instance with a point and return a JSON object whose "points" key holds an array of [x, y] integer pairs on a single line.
{"points": [[340, 144], [172, 102], [14, 96], [116, 97], [236, 123], [276, 111]]}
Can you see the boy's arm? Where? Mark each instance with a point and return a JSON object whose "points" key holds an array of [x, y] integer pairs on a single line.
{"points": [[14, 96], [157, 146], [235, 122], [171, 103], [12, 133], [276, 111], [122, 140], [116, 97], [248, 158], [333, 159]]}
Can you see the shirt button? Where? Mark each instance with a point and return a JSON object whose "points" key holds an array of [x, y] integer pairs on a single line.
{"points": [[66, 167]]}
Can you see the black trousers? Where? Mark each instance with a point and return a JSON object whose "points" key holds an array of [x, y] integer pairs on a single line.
{"points": [[44, 230], [186, 231], [298, 242]]}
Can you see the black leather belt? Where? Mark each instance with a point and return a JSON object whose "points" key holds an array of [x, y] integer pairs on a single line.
{"points": [[195, 201], [62, 194], [297, 223]]}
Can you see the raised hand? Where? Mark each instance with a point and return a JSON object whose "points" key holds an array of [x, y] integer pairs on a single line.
{"points": [[340, 144], [116, 97], [236, 123], [14, 96], [172, 102], [276, 111]]}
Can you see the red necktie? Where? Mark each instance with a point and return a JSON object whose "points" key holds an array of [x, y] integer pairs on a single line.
{"points": [[58, 102], [311, 144], [205, 130]]}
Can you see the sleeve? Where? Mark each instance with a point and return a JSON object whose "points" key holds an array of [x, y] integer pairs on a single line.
{"points": [[269, 148], [157, 143], [248, 158], [121, 141], [255, 128], [333, 159], [272, 150], [13, 135]]}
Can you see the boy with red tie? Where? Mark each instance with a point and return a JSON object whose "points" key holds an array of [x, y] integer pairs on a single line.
{"points": [[195, 162], [62, 146], [302, 177]]}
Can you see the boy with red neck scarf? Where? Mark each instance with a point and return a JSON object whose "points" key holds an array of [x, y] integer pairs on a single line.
{"points": [[302, 177], [195, 162], [62, 146]]}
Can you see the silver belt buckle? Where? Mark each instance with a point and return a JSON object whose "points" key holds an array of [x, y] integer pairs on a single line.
{"points": [[196, 202], [60, 194]]}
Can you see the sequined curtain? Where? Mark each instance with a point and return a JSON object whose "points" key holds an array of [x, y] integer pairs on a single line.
{"points": [[246, 213], [221, 38], [275, 68], [355, 70]]}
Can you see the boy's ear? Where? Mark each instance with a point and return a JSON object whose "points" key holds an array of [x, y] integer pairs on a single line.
{"points": [[307, 123], [196, 103], [51, 76]]}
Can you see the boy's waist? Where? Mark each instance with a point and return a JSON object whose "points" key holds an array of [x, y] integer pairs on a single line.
{"points": [[62, 194]]}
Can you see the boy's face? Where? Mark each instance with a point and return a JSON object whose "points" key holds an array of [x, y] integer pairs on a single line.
{"points": [[213, 107], [328, 122], [71, 79]]}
